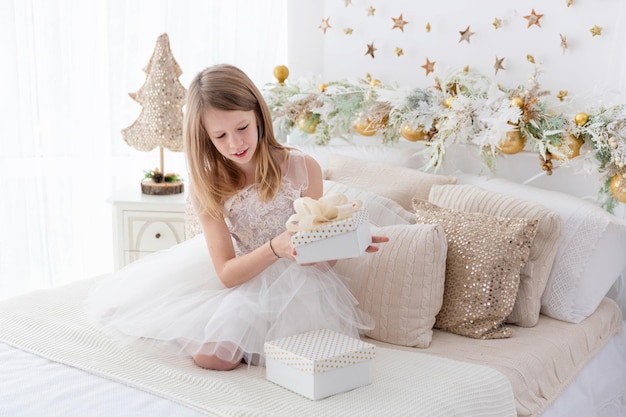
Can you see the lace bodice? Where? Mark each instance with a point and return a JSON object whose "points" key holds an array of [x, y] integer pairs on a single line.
{"points": [[252, 222]]}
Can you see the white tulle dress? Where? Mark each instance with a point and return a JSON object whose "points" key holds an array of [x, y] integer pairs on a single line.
{"points": [[175, 295]]}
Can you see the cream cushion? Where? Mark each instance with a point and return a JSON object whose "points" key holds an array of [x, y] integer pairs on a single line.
{"points": [[590, 256], [485, 257], [398, 183], [535, 273], [382, 211], [401, 286]]}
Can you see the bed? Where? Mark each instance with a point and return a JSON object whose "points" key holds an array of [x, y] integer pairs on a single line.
{"points": [[570, 361]]}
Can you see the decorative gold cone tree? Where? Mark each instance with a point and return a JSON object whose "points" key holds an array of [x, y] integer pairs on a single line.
{"points": [[160, 123]]}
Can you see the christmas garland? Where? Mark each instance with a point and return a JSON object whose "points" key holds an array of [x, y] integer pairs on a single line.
{"points": [[461, 107]]}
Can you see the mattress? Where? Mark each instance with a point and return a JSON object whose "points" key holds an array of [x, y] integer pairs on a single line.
{"points": [[537, 367], [53, 325], [542, 361]]}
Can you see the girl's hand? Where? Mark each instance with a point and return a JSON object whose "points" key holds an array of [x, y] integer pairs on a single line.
{"points": [[376, 239], [282, 245]]}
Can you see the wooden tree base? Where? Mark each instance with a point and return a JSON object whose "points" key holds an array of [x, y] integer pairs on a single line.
{"points": [[161, 188]]}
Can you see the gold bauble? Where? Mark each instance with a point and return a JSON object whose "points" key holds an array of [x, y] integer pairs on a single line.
{"points": [[281, 72], [517, 102], [581, 118], [307, 122], [412, 135], [618, 187], [366, 127], [570, 147], [322, 87], [513, 143]]}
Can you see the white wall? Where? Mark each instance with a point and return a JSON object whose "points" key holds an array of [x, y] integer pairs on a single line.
{"points": [[591, 67]]}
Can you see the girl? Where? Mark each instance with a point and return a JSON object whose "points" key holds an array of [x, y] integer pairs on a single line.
{"points": [[221, 305]]}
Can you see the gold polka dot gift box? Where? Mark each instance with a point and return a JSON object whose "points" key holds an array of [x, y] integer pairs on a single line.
{"points": [[337, 239], [319, 363]]}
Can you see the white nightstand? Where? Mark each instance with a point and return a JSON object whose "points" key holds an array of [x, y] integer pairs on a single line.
{"points": [[143, 224]]}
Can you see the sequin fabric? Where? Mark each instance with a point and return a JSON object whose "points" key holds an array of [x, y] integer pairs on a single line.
{"points": [[485, 256], [162, 97]]}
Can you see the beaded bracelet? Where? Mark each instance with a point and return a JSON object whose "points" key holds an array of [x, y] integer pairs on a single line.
{"points": [[272, 248]]}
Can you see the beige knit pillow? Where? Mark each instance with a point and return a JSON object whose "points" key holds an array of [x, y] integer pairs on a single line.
{"points": [[398, 183], [535, 273], [485, 256], [401, 285]]}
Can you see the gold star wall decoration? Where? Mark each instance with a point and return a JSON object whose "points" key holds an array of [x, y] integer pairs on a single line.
{"points": [[596, 30], [562, 94], [497, 23], [325, 25], [348, 31], [498, 65], [399, 22], [371, 49], [533, 18], [465, 35], [371, 11], [399, 51], [563, 42], [429, 66]]}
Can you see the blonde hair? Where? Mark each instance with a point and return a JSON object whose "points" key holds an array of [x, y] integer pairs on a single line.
{"points": [[213, 177]]}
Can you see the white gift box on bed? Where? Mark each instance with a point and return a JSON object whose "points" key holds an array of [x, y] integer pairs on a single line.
{"points": [[319, 363], [339, 239]]}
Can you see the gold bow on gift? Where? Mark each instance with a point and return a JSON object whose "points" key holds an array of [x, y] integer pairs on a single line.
{"points": [[311, 214]]}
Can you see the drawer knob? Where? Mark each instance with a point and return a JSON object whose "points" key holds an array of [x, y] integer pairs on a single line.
{"points": [[158, 235]]}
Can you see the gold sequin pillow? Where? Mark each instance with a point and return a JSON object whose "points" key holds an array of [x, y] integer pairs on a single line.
{"points": [[485, 257]]}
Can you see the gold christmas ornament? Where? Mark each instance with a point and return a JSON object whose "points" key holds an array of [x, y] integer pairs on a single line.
{"points": [[466, 34], [325, 25], [570, 147], [371, 49], [322, 87], [429, 66], [399, 22], [581, 118], [366, 127], [517, 102], [374, 83], [618, 187], [596, 30], [281, 72], [513, 143], [413, 135], [498, 65], [307, 122], [448, 102], [533, 18]]}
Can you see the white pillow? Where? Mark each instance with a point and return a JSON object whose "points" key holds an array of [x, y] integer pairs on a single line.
{"points": [[401, 286], [398, 183], [590, 257], [382, 211]]}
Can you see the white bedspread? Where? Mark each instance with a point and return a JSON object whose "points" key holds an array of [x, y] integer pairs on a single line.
{"points": [[51, 324]]}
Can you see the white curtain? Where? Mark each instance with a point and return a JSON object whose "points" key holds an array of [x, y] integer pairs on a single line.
{"points": [[67, 68]]}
